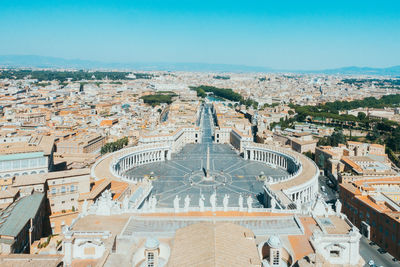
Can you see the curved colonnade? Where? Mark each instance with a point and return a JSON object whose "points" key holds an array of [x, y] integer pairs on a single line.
{"points": [[136, 156], [301, 186]]}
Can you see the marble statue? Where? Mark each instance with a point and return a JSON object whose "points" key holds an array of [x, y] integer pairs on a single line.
{"points": [[226, 202], [338, 206], [85, 208], [146, 205], [273, 203], [298, 204], [104, 203], [240, 202], [125, 204], [176, 203], [268, 181], [201, 202], [153, 203], [187, 203], [115, 207], [250, 204], [213, 201]]}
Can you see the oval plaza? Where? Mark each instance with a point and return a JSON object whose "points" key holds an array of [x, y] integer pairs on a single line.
{"points": [[191, 164], [204, 191]]}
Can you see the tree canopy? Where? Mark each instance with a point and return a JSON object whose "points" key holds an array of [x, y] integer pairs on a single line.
{"points": [[114, 146]]}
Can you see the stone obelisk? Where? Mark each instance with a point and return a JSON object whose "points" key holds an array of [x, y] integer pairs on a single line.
{"points": [[207, 171]]}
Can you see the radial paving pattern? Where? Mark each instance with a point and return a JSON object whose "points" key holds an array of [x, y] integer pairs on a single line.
{"points": [[183, 174]]}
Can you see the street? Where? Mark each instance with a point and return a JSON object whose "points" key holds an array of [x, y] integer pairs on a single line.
{"points": [[328, 194], [370, 252]]}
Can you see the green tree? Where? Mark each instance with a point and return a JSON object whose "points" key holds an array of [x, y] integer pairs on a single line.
{"points": [[361, 116]]}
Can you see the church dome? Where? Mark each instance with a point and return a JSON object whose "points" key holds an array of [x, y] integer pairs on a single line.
{"points": [[152, 243], [274, 241]]}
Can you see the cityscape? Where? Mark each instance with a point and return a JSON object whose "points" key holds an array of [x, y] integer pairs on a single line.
{"points": [[159, 161]]}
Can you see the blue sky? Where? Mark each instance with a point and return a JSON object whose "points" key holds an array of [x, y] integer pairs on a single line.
{"points": [[277, 34]]}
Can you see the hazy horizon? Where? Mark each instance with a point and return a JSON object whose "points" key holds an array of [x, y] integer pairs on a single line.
{"points": [[97, 63]]}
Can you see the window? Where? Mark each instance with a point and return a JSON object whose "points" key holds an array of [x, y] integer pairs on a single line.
{"points": [[275, 256], [150, 259], [72, 188], [63, 189], [335, 253], [15, 164], [53, 191], [24, 164]]}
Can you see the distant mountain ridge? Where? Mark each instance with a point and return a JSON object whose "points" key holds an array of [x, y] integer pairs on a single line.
{"points": [[390, 71], [33, 61]]}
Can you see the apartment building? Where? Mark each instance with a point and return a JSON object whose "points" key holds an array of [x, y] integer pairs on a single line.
{"points": [[81, 143], [373, 205], [23, 158], [22, 223], [303, 142], [355, 158], [64, 188]]}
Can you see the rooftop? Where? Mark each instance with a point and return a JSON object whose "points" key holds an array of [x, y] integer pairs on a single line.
{"points": [[15, 217], [214, 244]]}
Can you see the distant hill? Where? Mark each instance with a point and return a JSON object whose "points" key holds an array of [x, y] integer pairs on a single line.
{"points": [[32, 61], [391, 71]]}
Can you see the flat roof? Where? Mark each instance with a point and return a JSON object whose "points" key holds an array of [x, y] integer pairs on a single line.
{"points": [[214, 244], [17, 156], [16, 216]]}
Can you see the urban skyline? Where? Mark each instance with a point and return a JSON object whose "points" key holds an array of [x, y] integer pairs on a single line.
{"points": [[199, 133]]}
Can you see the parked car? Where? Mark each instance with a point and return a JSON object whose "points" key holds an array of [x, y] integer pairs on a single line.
{"points": [[381, 250]]}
